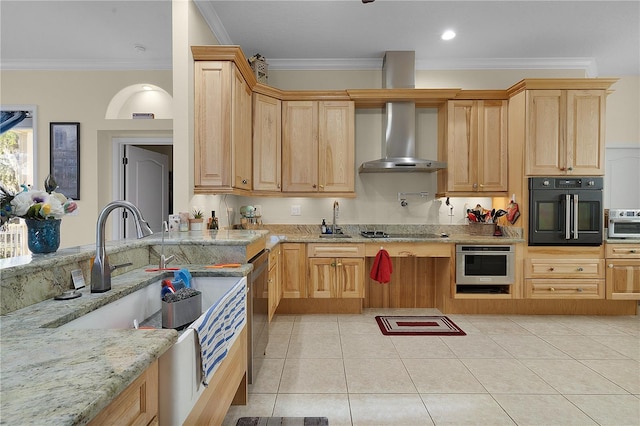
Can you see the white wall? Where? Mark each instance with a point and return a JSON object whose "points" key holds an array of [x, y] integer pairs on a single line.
{"points": [[83, 96]]}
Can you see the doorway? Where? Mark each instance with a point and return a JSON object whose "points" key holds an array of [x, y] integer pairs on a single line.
{"points": [[144, 178]]}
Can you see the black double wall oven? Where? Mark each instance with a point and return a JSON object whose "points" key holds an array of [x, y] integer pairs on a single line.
{"points": [[565, 211]]}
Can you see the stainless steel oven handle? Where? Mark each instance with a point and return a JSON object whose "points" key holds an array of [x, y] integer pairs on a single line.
{"points": [[567, 217], [575, 216]]}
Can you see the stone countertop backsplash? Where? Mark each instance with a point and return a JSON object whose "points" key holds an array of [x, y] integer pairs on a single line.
{"points": [[66, 377], [476, 234]]}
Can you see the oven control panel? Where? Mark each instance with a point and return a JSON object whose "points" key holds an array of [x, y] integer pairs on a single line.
{"points": [[624, 213]]}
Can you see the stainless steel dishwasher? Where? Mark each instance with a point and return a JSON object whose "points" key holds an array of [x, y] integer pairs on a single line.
{"points": [[257, 313]]}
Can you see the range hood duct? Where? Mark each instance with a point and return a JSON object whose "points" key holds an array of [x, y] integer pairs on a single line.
{"points": [[398, 72]]}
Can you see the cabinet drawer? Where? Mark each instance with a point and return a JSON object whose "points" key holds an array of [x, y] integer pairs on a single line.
{"points": [[564, 289], [626, 251], [411, 249], [335, 250], [564, 268]]}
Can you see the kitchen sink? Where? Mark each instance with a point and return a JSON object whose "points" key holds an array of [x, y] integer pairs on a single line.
{"points": [[180, 377], [335, 236]]}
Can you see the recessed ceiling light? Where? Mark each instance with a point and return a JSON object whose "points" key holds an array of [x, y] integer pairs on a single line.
{"points": [[448, 35]]}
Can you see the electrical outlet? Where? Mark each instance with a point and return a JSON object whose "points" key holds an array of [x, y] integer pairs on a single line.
{"points": [[295, 210]]}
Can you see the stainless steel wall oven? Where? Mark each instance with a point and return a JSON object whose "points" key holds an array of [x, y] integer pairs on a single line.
{"points": [[565, 211]]}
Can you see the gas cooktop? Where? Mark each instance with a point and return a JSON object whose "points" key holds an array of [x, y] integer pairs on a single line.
{"points": [[382, 234], [374, 234]]}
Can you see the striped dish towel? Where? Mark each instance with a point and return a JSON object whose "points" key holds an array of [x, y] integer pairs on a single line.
{"points": [[218, 327]]}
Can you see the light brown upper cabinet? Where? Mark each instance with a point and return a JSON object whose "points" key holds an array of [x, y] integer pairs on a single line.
{"points": [[241, 128], [565, 132], [318, 146], [475, 145], [267, 143], [223, 128]]}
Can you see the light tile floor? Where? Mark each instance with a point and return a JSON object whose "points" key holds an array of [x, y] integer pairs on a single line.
{"points": [[507, 370]]}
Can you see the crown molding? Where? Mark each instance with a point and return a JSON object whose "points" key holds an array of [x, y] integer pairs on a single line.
{"points": [[325, 64], [211, 17], [85, 65], [586, 64]]}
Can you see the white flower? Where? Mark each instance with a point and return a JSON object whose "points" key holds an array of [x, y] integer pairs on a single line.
{"points": [[57, 208], [21, 203]]}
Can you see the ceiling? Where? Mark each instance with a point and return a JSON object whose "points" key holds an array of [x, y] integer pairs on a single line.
{"points": [[601, 37]]}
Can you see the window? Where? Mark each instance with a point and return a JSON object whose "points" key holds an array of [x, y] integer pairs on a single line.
{"points": [[17, 167]]}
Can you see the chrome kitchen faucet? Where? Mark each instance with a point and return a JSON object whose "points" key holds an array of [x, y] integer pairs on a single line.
{"points": [[101, 270]]}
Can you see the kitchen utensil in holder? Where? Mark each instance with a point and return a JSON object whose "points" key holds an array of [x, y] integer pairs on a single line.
{"points": [[179, 313], [482, 228]]}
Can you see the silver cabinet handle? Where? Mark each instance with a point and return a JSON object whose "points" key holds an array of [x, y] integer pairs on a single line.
{"points": [[575, 217], [567, 217], [580, 269]]}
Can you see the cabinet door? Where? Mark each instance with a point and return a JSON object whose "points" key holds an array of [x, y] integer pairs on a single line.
{"points": [[300, 146], [294, 268], [336, 144], [241, 130], [545, 132], [350, 278], [136, 405], [623, 279], [477, 146], [462, 146], [322, 277], [492, 146], [267, 143], [213, 124], [585, 132]]}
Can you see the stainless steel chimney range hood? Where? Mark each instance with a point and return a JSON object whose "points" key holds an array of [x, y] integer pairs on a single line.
{"points": [[398, 72]]}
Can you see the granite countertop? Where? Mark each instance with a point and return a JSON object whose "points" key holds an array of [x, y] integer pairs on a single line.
{"points": [[450, 239], [66, 377], [208, 238]]}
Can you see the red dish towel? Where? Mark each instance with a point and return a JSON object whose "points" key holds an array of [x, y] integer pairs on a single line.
{"points": [[382, 267]]}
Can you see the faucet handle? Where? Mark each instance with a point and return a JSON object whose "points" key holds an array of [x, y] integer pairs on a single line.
{"points": [[164, 260]]}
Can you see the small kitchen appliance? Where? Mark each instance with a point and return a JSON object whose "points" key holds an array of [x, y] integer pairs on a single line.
{"points": [[250, 217], [485, 264], [624, 223]]}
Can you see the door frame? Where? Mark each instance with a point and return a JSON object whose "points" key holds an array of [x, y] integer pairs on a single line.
{"points": [[118, 145]]}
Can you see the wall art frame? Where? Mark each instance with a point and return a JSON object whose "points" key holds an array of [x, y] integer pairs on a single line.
{"points": [[65, 157]]}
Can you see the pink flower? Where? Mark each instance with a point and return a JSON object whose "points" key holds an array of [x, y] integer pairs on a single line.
{"points": [[70, 206]]}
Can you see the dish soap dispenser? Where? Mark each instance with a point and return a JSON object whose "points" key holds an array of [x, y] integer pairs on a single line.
{"points": [[213, 220], [323, 227]]}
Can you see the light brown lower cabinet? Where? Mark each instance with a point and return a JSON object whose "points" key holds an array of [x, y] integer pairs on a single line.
{"points": [[274, 287], [564, 278], [136, 405], [293, 261], [336, 277], [336, 270], [623, 271]]}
